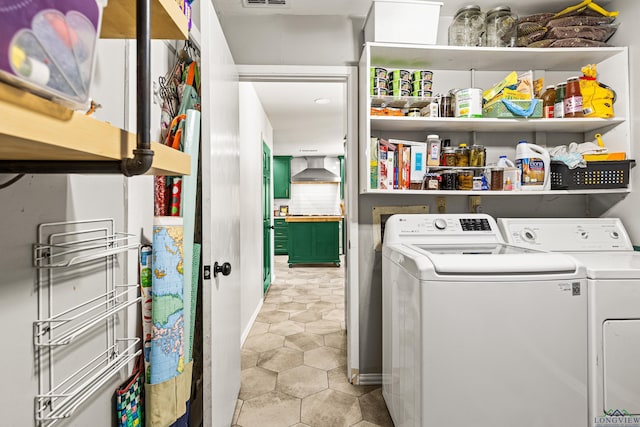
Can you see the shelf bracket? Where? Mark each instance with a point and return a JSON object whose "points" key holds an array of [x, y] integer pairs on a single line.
{"points": [[142, 155]]}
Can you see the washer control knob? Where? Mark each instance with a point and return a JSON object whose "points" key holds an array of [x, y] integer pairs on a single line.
{"points": [[440, 224], [615, 235], [528, 235], [584, 235]]}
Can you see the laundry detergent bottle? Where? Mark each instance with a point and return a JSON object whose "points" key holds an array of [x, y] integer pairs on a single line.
{"points": [[534, 163]]}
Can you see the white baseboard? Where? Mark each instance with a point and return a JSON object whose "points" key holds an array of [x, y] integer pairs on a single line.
{"points": [[245, 333], [369, 379]]}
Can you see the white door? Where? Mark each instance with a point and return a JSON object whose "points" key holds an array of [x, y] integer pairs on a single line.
{"points": [[221, 223]]}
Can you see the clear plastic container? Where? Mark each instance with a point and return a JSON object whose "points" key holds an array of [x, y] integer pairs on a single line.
{"points": [[467, 27], [501, 27], [49, 48]]}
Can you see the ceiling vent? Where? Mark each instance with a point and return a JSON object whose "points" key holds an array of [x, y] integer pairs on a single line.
{"points": [[265, 3]]}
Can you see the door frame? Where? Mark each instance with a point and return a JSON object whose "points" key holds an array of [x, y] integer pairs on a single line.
{"points": [[348, 75], [267, 254]]}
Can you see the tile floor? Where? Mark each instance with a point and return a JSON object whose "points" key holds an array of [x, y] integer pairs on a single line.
{"points": [[294, 359]]}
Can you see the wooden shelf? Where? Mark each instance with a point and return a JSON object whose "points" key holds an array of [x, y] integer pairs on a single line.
{"points": [[37, 129], [167, 20]]}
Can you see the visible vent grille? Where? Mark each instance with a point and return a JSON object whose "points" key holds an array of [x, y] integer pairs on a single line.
{"points": [[264, 3]]}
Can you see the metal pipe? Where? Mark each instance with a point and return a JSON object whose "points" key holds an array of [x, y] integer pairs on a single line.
{"points": [[142, 155]]}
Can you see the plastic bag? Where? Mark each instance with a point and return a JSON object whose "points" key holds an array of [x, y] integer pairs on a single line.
{"points": [[597, 98]]}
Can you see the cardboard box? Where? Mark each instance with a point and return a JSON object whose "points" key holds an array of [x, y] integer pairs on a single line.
{"points": [[402, 21], [498, 110]]}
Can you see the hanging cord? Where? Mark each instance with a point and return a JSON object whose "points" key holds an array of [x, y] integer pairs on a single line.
{"points": [[11, 181]]}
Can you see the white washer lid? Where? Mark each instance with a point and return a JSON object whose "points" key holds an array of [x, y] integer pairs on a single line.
{"points": [[483, 264], [610, 265]]}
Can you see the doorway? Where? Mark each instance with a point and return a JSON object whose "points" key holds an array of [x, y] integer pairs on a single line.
{"points": [[266, 217], [348, 77]]}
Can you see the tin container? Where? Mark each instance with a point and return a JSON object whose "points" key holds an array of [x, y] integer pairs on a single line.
{"points": [[422, 85], [396, 85], [422, 75], [379, 82], [378, 72], [468, 102], [477, 183], [399, 75], [379, 91], [399, 93], [413, 112], [422, 93]]}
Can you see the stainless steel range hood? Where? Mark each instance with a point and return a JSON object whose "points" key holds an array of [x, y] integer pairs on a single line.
{"points": [[315, 172]]}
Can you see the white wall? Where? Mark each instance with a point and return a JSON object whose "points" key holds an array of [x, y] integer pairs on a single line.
{"points": [[37, 199], [626, 35], [254, 129]]}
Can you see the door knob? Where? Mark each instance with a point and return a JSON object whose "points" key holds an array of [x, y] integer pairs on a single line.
{"points": [[225, 269]]}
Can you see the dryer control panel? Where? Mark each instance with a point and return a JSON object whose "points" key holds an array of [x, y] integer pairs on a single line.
{"points": [[566, 234]]}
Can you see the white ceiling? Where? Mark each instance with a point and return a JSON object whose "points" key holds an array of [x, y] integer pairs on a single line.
{"points": [[301, 125], [361, 7]]}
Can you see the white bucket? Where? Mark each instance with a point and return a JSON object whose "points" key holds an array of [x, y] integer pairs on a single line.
{"points": [[468, 102]]}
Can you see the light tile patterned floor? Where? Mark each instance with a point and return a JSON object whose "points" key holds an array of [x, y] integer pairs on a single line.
{"points": [[294, 359]]}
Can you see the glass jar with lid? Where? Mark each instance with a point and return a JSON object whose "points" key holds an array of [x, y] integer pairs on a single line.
{"points": [[467, 27], [476, 155], [462, 155], [502, 27]]}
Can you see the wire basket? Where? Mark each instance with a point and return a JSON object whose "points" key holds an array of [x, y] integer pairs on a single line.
{"points": [[597, 175]]}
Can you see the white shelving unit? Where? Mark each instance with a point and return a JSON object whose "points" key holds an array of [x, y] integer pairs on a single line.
{"points": [[463, 67], [64, 252]]}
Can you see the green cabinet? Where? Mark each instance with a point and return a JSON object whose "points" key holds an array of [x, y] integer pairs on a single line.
{"points": [[314, 242], [281, 177], [280, 236]]}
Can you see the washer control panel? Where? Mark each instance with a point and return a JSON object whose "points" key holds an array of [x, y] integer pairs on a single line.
{"points": [[441, 228], [566, 234]]}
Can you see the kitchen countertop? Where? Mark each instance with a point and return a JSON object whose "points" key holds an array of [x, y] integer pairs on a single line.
{"points": [[313, 218]]}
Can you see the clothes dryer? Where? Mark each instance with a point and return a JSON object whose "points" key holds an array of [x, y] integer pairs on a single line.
{"points": [[477, 332], [613, 290]]}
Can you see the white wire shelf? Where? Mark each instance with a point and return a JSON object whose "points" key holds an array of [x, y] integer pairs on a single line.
{"points": [[63, 400], [82, 250], [78, 320]]}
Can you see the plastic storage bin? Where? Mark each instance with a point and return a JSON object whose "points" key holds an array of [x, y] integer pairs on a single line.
{"points": [[402, 21], [48, 47], [597, 175]]}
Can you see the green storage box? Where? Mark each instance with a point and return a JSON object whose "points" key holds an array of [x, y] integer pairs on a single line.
{"points": [[514, 109]]}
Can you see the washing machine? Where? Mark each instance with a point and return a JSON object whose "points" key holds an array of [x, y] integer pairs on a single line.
{"points": [[613, 293], [477, 332]]}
